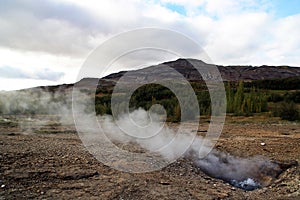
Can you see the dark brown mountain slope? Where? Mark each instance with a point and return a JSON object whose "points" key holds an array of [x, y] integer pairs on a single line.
{"points": [[184, 66], [231, 73]]}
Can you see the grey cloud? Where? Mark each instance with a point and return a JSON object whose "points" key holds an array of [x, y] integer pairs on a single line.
{"points": [[43, 74], [46, 9], [67, 29], [45, 26], [61, 28]]}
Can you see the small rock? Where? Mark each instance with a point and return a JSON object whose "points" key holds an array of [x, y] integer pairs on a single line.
{"points": [[2, 186], [222, 195], [164, 183], [263, 144]]}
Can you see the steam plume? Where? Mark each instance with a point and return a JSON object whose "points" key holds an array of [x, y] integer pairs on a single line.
{"points": [[246, 173], [147, 131]]}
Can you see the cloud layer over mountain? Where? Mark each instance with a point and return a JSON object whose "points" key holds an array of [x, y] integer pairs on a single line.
{"points": [[61, 34]]}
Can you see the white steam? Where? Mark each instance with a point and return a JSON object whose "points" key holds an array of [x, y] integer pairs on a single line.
{"points": [[149, 132], [144, 129], [246, 173], [36, 108]]}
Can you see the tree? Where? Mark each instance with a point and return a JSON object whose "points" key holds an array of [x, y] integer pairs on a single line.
{"points": [[238, 99]]}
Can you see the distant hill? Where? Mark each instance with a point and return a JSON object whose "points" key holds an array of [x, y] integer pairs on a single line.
{"points": [[184, 66], [228, 73]]}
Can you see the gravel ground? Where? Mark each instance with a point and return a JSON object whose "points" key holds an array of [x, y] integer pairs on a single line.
{"points": [[48, 161]]}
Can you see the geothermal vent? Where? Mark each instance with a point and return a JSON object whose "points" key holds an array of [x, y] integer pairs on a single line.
{"points": [[245, 173]]}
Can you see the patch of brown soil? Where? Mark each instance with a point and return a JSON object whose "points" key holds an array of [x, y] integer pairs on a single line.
{"points": [[57, 166]]}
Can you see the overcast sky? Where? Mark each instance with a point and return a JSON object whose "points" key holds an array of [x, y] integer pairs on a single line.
{"points": [[45, 42]]}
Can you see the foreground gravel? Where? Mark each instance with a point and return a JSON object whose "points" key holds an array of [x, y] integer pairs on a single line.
{"points": [[55, 165]]}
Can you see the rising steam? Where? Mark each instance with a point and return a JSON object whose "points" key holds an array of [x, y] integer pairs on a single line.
{"points": [[245, 173], [35, 108], [146, 130]]}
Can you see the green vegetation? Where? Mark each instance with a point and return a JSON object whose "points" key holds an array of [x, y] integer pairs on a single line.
{"points": [[245, 103], [240, 100], [243, 99], [287, 111], [281, 98], [276, 84], [103, 104], [151, 94]]}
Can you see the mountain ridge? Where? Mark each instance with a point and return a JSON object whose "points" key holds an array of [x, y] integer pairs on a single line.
{"points": [[228, 73], [184, 67]]}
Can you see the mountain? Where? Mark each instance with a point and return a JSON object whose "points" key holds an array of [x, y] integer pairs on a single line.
{"points": [[185, 67], [228, 73]]}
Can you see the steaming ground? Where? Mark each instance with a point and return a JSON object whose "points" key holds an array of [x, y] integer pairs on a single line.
{"points": [[246, 173], [37, 102], [52, 164], [150, 133], [36, 158]]}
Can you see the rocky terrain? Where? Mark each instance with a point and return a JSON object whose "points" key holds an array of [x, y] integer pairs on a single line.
{"points": [[50, 162]]}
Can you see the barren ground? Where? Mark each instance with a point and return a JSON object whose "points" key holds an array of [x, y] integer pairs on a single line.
{"points": [[50, 162]]}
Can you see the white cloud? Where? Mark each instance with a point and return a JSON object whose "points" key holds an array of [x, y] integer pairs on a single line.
{"points": [[236, 38], [59, 34], [42, 74], [37, 62], [284, 46], [222, 8], [44, 26], [7, 84]]}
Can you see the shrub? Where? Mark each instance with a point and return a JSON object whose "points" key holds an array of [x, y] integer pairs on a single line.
{"points": [[274, 97], [292, 96], [287, 111]]}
